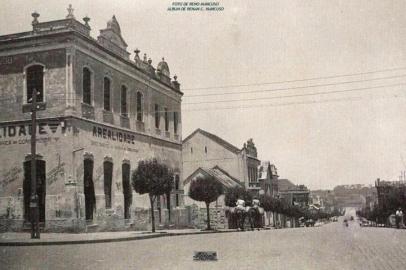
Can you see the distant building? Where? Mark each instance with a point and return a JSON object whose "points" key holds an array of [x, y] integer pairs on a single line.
{"points": [[293, 194], [268, 178], [352, 195], [386, 190], [104, 113], [205, 150]]}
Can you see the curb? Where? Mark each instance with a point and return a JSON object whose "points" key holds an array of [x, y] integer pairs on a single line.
{"points": [[107, 240]]}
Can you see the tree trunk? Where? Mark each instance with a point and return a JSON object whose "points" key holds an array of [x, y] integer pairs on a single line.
{"points": [[168, 205], [151, 200], [208, 216], [274, 219]]}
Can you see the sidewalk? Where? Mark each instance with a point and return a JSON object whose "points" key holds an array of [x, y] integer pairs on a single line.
{"points": [[24, 239]]}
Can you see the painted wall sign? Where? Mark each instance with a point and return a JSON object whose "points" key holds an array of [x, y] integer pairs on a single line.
{"points": [[116, 147], [113, 135], [11, 131]]}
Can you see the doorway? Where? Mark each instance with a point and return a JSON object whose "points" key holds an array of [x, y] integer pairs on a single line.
{"points": [[88, 189], [126, 189], [41, 189]]}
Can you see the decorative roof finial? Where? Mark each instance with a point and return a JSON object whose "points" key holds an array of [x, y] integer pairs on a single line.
{"points": [[35, 15], [86, 19], [145, 58], [175, 78], [150, 61], [70, 12], [136, 57]]}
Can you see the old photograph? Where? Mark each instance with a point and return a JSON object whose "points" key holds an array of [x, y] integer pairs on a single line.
{"points": [[225, 134]]}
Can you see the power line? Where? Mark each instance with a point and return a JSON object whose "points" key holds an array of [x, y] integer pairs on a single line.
{"points": [[296, 95], [296, 80], [286, 104], [296, 87], [253, 105]]}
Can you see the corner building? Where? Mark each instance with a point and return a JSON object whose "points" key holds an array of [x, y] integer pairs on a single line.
{"points": [[103, 113]]}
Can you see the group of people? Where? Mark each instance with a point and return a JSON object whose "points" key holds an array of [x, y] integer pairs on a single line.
{"points": [[240, 204]]}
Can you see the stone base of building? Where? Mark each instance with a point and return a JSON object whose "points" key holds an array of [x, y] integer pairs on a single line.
{"points": [[141, 221]]}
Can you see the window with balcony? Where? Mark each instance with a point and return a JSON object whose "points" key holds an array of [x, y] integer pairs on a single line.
{"points": [[139, 107], [166, 119], [107, 94], [124, 109], [175, 122], [157, 116], [35, 80], [87, 86]]}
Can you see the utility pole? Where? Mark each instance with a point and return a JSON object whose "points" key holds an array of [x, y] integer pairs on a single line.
{"points": [[34, 207], [34, 211]]}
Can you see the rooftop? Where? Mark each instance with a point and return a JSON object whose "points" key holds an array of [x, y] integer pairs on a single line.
{"points": [[215, 138], [110, 41]]}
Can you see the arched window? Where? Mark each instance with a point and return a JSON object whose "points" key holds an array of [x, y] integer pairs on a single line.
{"points": [[175, 122], [87, 86], [35, 80], [157, 116], [139, 107], [107, 94], [124, 109], [166, 119]]}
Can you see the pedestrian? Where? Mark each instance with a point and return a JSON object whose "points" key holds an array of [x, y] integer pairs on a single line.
{"points": [[398, 217], [401, 218]]}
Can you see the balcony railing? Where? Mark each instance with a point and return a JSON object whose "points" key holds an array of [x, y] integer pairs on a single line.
{"points": [[87, 111], [124, 121], [108, 117], [140, 126]]}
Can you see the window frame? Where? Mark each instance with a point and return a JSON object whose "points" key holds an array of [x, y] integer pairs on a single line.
{"points": [[166, 116], [126, 114], [175, 122], [91, 91], [157, 116], [140, 112], [25, 84], [110, 93]]}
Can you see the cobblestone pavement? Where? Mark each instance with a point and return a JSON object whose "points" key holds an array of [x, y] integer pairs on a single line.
{"points": [[332, 246]]}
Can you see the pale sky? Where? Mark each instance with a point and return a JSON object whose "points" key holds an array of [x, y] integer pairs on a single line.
{"points": [[350, 137]]}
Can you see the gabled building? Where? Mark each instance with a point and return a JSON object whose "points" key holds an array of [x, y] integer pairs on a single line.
{"points": [[202, 149], [217, 173]]}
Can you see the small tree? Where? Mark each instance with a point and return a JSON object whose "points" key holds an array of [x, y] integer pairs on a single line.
{"points": [[205, 189], [153, 178]]}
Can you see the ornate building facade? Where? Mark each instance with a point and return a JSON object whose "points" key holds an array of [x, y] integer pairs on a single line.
{"points": [[104, 113]]}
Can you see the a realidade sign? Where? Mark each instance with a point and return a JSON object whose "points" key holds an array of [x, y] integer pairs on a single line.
{"points": [[113, 135]]}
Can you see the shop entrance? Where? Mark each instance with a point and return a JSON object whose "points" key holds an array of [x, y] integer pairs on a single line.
{"points": [[41, 189]]}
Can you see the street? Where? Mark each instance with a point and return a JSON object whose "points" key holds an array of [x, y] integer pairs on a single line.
{"points": [[332, 246]]}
